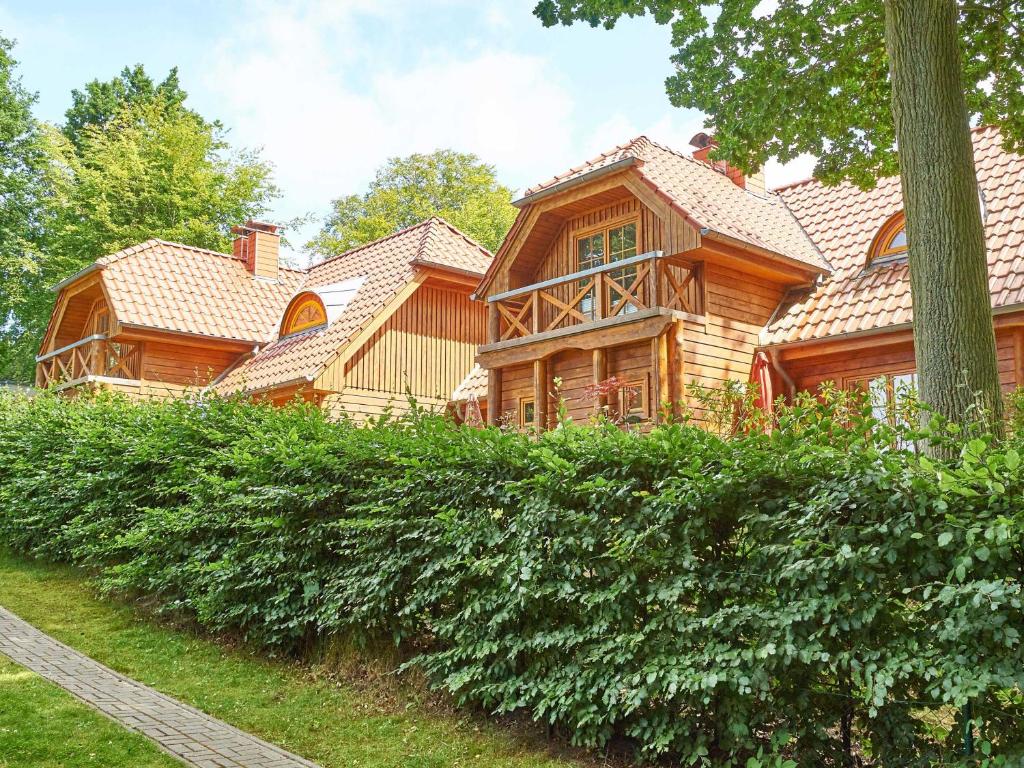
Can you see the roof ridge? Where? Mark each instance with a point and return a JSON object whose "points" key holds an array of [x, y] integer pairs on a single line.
{"points": [[592, 161], [455, 230], [403, 231]]}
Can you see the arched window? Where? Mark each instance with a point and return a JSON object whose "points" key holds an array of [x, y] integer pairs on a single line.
{"points": [[305, 311], [890, 244]]}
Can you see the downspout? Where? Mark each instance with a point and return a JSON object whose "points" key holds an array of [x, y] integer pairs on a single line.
{"points": [[773, 356]]}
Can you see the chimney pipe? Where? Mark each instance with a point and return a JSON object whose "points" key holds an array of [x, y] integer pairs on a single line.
{"points": [[703, 142]]}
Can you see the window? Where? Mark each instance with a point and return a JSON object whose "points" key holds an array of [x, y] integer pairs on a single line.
{"points": [[527, 412], [890, 244], [606, 247], [633, 400], [891, 395], [306, 311], [101, 322]]}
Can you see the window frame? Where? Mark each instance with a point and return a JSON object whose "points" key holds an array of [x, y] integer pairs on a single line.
{"points": [[881, 251], [850, 384], [643, 408], [524, 403], [604, 230], [297, 305]]}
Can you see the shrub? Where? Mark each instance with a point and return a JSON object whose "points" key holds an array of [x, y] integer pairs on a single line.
{"points": [[811, 596]]}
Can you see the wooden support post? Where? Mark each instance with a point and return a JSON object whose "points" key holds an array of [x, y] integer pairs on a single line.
{"points": [[600, 373], [680, 365], [654, 394], [1018, 357], [493, 323], [674, 337], [540, 394], [655, 299], [663, 371], [600, 296], [535, 311], [494, 396]]}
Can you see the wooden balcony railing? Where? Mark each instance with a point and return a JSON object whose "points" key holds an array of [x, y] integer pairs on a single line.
{"points": [[91, 356], [611, 290]]}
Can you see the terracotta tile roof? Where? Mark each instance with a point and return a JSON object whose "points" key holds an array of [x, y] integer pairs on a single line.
{"points": [[707, 198], [843, 220], [386, 266], [475, 383], [174, 287]]}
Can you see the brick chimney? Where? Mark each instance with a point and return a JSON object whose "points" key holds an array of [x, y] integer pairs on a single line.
{"points": [[258, 244], [704, 142]]}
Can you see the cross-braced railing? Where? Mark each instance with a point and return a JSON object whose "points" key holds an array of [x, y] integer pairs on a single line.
{"points": [[91, 356], [610, 290]]}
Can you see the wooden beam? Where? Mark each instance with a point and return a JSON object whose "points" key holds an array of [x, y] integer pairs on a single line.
{"points": [[677, 383], [494, 396], [1018, 357], [493, 323], [831, 346], [609, 333], [661, 373], [600, 373], [540, 394]]}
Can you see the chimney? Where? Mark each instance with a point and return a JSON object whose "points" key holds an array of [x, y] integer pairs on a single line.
{"points": [[258, 244], [703, 143]]}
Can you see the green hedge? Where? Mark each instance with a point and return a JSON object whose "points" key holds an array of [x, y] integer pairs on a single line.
{"points": [[813, 595]]}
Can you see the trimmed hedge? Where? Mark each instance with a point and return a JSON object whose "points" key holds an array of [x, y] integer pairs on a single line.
{"points": [[809, 597]]}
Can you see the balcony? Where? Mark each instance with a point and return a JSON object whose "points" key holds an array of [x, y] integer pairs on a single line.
{"points": [[93, 356], [631, 298]]}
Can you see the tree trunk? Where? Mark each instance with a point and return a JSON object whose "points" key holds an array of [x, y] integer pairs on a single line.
{"points": [[953, 336]]}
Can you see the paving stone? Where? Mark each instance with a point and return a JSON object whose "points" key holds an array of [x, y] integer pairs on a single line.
{"points": [[181, 730]]}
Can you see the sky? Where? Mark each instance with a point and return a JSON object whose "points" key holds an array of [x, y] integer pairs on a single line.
{"points": [[328, 90]]}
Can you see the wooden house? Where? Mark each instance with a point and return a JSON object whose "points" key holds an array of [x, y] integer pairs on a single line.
{"points": [[653, 269], [356, 333]]}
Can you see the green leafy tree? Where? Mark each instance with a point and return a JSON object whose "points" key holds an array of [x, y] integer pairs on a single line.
{"points": [[453, 185], [145, 172], [848, 81], [149, 173], [22, 160], [100, 102]]}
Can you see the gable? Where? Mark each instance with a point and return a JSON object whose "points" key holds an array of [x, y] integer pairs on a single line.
{"points": [[541, 245]]}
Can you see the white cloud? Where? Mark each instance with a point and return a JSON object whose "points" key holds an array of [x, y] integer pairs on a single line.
{"points": [[331, 90], [295, 82]]}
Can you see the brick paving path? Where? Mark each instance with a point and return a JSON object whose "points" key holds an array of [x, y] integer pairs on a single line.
{"points": [[181, 730]]}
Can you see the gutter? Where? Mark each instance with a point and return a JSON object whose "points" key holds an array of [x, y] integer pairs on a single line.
{"points": [[1005, 309], [719, 237], [445, 268], [605, 170], [94, 267]]}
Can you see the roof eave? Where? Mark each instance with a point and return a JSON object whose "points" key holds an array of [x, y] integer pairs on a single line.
{"points": [[736, 242], [575, 181], [427, 263], [94, 267]]}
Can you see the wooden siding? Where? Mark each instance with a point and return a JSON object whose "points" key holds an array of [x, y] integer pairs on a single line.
{"points": [[77, 316], [184, 364], [427, 346], [361, 405], [841, 367], [722, 348]]}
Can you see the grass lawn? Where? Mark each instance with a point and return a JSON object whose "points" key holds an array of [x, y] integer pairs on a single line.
{"points": [[42, 726], [334, 724]]}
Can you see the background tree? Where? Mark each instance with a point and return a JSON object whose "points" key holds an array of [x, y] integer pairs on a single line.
{"points": [[848, 81], [100, 102], [133, 168], [149, 173], [22, 160], [453, 185]]}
